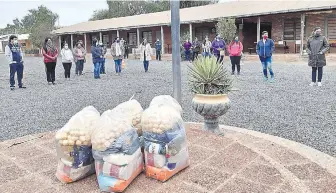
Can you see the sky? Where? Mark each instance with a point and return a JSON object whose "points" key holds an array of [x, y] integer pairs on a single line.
{"points": [[70, 11]]}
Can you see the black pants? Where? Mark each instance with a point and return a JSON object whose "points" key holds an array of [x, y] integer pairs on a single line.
{"points": [[320, 73], [67, 68], [195, 55], [50, 70], [219, 58], [235, 61], [158, 55], [126, 54]]}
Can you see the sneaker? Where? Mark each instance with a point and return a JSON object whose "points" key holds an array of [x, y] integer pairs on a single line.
{"points": [[265, 78], [22, 87], [53, 83], [319, 84], [49, 83], [312, 84], [12, 88], [238, 73], [272, 80], [232, 73]]}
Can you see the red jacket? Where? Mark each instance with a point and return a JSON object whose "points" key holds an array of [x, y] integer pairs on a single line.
{"points": [[49, 57], [235, 49]]}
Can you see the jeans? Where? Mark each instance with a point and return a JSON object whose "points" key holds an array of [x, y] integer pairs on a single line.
{"points": [[15, 68], [235, 61], [195, 55], [320, 74], [51, 66], [146, 64], [158, 55], [205, 54], [79, 67], [67, 69], [102, 68], [96, 70], [267, 64], [219, 58], [187, 55], [117, 65]]}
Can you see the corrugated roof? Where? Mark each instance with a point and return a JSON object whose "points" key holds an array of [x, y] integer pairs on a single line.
{"points": [[199, 14]]}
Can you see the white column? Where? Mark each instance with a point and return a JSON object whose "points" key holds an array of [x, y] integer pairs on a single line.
{"points": [[190, 32], [117, 33], [162, 40], [138, 37], [302, 32], [100, 36], [60, 42], [258, 29], [71, 39], [85, 41]]}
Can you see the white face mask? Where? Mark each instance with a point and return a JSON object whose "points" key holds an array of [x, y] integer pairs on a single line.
{"points": [[66, 47], [15, 42]]}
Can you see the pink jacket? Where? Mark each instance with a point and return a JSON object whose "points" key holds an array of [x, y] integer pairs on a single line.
{"points": [[235, 49]]}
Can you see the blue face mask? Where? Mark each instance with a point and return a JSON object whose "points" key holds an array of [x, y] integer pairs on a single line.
{"points": [[236, 41]]}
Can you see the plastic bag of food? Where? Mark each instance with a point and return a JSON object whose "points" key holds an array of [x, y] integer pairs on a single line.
{"points": [[166, 100], [116, 150], [166, 151], [74, 151]]}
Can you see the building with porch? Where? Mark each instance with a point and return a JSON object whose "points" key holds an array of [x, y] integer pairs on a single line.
{"points": [[289, 23]]}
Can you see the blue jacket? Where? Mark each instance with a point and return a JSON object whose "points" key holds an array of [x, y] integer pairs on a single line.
{"points": [[158, 46], [265, 50], [96, 52], [13, 53]]}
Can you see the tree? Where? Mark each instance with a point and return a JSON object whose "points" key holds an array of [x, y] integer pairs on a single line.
{"points": [[227, 28], [186, 4]]}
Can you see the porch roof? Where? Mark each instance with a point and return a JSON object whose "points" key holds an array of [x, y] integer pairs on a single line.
{"points": [[200, 14]]}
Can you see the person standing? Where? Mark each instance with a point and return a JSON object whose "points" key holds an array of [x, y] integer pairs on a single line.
{"points": [[79, 53], [317, 46], [265, 48], [187, 46], [67, 58], [206, 46], [104, 50], [196, 49], [116, 51], [14, 57], [50, 54], [218, 46], [126, 50], [235, 49], [158, 47], [97, 58], [145, 54]]}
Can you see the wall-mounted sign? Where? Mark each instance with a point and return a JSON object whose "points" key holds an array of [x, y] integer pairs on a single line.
{"points": [[280, 42], [298, 42]]}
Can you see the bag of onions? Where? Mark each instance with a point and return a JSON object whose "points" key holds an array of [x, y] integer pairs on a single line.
{"points": [[117, 153], [74, 150], [166, 100], [166, 151]]}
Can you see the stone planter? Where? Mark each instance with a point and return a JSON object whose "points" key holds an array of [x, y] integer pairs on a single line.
{"points": [[211, 107]]}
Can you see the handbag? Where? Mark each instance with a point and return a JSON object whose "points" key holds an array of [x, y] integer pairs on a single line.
{"points": [[222, 53], [123, 64]]}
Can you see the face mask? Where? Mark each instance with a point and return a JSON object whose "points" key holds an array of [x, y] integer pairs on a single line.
{"points": [[15, 42], [318, 33], [236, 40], [265, 37], [66, 47]]}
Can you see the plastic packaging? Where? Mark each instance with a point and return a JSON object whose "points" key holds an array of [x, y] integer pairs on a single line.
{"points": [[166, 100], [74, 151], [116, 150], [166, 151]]}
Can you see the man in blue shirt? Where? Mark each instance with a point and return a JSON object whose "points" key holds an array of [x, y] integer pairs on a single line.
{"points": [[14, 57], [265, 48], [158, 47]]}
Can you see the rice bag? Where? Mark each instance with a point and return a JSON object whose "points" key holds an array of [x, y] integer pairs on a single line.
{"points": [[117, 153], [166, 100], [166, 151], [74, 151]]}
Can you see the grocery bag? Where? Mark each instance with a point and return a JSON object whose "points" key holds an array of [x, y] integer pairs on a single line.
{"points": [[166, 100], [116, 150], [123, 64], [165, 142], [74, 150]]}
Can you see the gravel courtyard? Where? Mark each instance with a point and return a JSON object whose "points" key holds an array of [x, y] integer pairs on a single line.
{"points": [[288, 108]]}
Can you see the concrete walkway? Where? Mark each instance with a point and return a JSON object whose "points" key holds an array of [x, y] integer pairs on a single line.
{"points": [[242, 161]]}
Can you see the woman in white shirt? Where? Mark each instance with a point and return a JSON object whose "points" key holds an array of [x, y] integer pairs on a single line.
{"points": [[145, 54], [67, 58]]}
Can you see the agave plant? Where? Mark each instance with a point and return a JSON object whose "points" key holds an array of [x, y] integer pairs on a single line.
{"points": [[206, 76]]}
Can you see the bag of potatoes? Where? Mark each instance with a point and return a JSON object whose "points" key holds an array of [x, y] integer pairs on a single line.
{"points": [[166, 151], [166, 100], [116, 150], [74, 151]]}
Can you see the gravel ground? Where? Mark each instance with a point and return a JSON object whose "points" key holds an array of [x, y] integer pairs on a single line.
{"points": [[288, 108]]}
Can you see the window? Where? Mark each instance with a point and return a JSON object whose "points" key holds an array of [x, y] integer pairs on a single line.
{"points": [[201, 33], [106, 39], [332, 28], [132, 39], [292, 29], [148, 36]]}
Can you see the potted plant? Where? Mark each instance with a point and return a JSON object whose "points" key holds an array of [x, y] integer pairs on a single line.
{"points": [[210, 82]]}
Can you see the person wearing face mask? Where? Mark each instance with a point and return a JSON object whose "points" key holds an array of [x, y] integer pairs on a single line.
{"points": [[67, 58], [206, 46], [218, 46], [235, 49], [117, 54], [317, 46], [196, 49], [79, 53], [265, 48], [97, 58], [50, 54], [104, 50], [187, 46], [145, 55], [158, 47], [13, 54]]}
